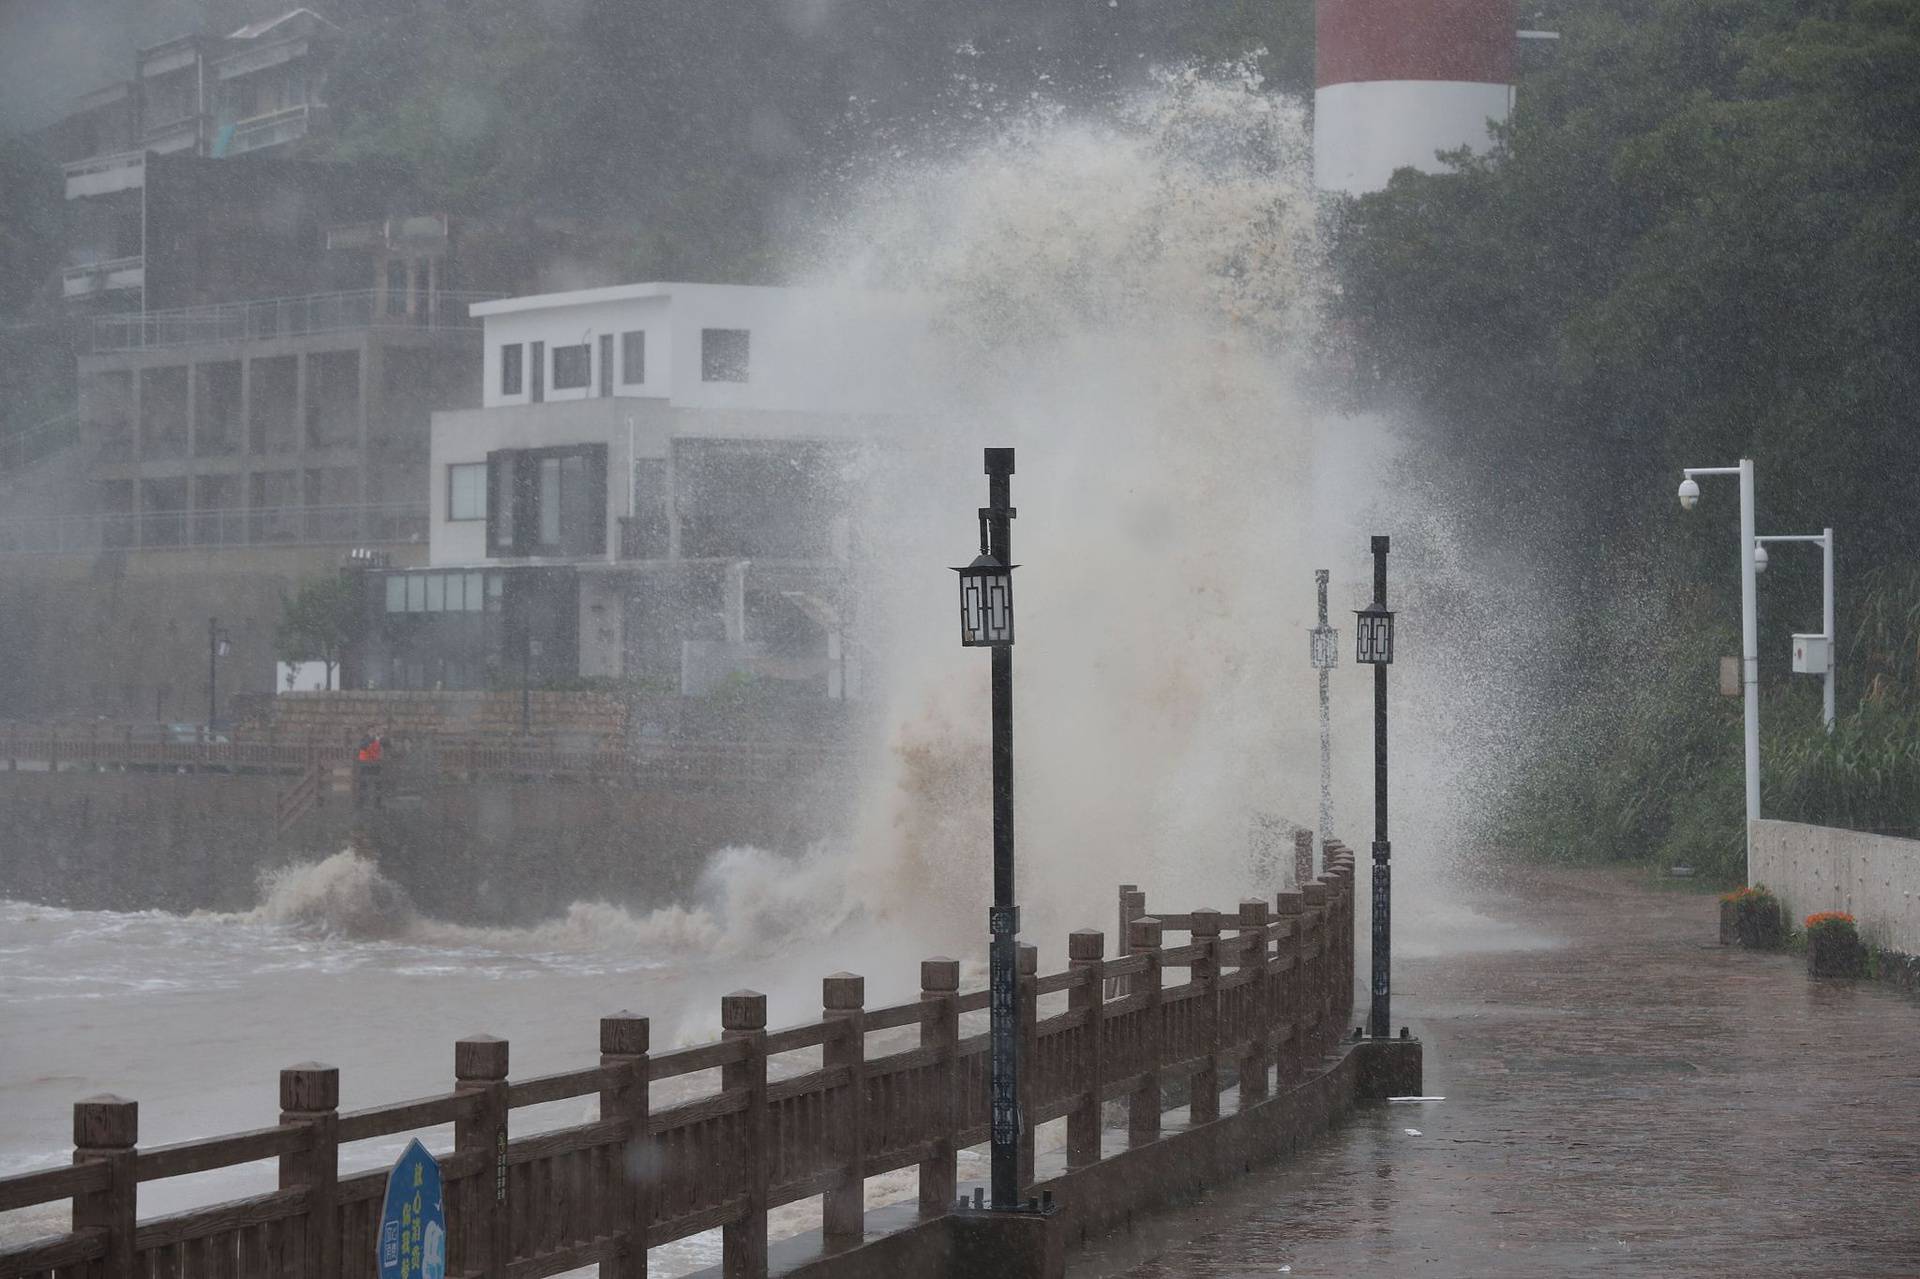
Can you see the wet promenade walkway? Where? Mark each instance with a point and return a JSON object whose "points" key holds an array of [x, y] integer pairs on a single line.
{"points": [[1631, 1101]]}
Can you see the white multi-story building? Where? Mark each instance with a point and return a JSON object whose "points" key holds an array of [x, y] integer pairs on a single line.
{"points": [[656, 487]]}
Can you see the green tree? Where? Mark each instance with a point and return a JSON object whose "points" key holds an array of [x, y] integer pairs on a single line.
{"points": [[1696, 241], [317, 623]]}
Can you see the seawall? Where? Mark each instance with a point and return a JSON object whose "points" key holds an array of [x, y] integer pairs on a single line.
{"points": [[485, 851]]}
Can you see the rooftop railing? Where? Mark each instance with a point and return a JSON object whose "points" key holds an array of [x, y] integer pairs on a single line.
{"points": [[336, 525], [227, 322]]}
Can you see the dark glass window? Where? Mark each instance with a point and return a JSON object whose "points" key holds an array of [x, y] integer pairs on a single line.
{"points": [[723, 355], [547, 502], [633, 358], [572, 367], [510, 369]]}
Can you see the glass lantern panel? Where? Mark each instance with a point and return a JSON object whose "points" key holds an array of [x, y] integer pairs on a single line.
{"points": [[972, 620], [999, 607]]}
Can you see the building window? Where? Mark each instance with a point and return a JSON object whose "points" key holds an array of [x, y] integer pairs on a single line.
{"points": [[444, 592], [723, 355], [572, 367], [633, 358], [467, 491], [547, 502], [510, 369]]}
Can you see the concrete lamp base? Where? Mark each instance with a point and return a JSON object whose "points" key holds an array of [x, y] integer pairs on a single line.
{"points": [[1388, 1068], [1019, 1243]]}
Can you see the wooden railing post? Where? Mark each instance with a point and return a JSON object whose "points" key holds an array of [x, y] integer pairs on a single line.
{"points": [[743, 1241], [1133, 905], [1290, 1000], [310, 1096], [480, 1066], [1143, 1104], [1086, 952], [1259, 1020], [1320, 991], [1203, 1106], [625, 1040], [1302, 857], [940, 1029], [1027, 1008], [105, 1130], [843, 1209]]}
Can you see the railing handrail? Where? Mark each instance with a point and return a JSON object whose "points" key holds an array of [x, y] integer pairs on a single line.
{"points": [[101, 163], [104, 264], [293, 316], [725, 1157], [306, 525]]}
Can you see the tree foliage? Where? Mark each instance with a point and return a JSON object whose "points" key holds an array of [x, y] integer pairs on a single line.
{"points": [[1695, 242], [317, 623]]}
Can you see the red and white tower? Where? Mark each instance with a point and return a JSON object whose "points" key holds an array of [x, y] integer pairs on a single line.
{"points": [[1398, 80]]}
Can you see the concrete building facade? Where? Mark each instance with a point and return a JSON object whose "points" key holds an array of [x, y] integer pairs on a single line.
{"points": [[658, 486], [258, 90]]}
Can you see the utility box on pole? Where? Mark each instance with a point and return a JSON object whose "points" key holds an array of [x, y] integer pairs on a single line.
{"points": [[1810, 655]]}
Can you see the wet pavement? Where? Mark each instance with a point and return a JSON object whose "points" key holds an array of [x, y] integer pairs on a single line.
{"points": [[1634, 1100]]}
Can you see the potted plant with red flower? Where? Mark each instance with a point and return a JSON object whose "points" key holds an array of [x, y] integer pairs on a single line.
{"points": [[1755, 916], [1834, 948]]}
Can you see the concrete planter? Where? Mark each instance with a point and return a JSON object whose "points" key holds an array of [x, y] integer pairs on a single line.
{"points": [[1759, 926], [1835, 953]]}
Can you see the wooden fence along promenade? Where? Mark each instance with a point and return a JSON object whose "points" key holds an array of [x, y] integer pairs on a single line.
{"points": [[1269, 989], [297, 754]]}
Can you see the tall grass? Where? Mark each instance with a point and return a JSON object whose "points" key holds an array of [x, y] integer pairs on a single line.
{"points": [[1648, 766]]}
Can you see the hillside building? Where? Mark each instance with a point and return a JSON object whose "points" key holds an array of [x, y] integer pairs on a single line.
{"points": [[658, 486]]}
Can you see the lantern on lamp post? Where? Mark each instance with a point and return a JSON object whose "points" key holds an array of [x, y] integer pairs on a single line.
{"points": [[1373, 645], [986, 601], [986, 621]]}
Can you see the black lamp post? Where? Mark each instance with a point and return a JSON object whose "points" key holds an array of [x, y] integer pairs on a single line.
{"points": [[1373, 644], [986, 621], [218, 646]]}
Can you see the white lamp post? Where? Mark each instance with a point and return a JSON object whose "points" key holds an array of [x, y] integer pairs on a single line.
{"points": [[1803, 659], [1749, 627]]}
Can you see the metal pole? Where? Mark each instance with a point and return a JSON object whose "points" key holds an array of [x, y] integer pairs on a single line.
{"points": [[1326, 733], [526, 674], [1382, 849], [1749, 655], [213, 674], [1833, 639], [1004, 919]]}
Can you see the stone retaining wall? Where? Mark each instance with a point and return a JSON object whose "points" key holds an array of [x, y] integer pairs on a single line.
{"points": [[581, 719]]}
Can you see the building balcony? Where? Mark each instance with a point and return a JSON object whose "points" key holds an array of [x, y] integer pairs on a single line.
{"points": [[97, 278], [105, 174], [171, 136], [426, 233], [275, 128], [227, 323]]}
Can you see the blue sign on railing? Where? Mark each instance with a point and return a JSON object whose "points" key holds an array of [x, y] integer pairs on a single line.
{"points": [[413, 1223]]}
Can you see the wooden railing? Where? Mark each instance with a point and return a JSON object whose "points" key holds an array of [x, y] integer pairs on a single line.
{"points": [[679, 762], [1269, 988]]}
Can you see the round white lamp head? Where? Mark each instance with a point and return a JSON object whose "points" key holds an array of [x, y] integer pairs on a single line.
{"points": [[1759, 559], [1689, 493]]}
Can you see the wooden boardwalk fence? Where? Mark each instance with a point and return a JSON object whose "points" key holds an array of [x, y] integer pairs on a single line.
{"points": [[667, 761], [1268, 989]]}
